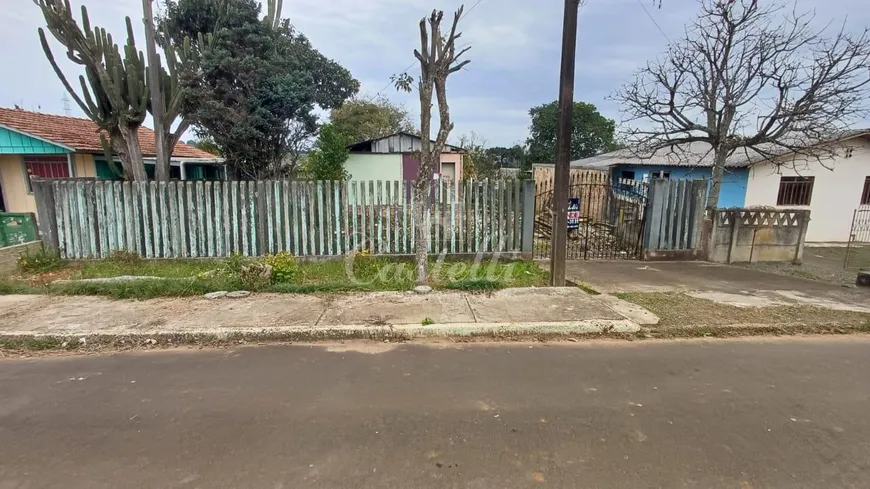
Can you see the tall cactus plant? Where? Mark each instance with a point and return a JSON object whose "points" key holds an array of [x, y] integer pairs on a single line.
{"points": [[167, 93], [115, 92]]}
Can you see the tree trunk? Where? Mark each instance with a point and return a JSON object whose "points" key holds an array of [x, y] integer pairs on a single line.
{"points": [[719, 158], [131, 157], [422, 232], [718, 172], [424, 176], [158, 109]]}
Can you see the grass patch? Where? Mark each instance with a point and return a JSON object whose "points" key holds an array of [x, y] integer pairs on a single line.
{"points": [[428, 321], [156, 268], [8, 286], [190, 277], [587, 288], [677, 310], [142, 289], [39, 261], [474, 285]]}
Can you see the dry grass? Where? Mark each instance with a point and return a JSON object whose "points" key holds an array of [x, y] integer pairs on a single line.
{"points": [[677, 310]]}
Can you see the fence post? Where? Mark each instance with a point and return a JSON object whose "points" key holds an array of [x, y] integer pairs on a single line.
{"points": [[802, 235], [735, 228], [528, 216], [46, 217]]}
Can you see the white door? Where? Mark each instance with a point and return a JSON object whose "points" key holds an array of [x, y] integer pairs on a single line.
{"points": [[448, 171]]}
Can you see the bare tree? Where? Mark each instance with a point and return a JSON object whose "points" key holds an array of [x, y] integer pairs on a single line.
{"points": [[438, 57], [749, 81]]}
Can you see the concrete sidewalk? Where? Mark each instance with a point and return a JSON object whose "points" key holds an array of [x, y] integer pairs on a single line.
{"points": [[563, 310], [719, 283]]}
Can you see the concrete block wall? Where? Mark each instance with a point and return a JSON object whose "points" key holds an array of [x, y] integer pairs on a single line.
{"points": [[9, 255], [754, 235]]}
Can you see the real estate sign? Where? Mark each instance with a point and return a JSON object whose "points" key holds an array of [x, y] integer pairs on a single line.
{"points": [[573, 213]]}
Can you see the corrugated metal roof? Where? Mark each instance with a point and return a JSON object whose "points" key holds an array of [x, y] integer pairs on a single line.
{"points": [[399, 142], [697, 154]]}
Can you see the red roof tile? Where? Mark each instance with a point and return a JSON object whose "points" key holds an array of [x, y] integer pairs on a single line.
{"points": [[82, 134]]}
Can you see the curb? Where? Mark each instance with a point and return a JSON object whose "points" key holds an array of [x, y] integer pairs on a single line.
{"points": [[95, 340]]}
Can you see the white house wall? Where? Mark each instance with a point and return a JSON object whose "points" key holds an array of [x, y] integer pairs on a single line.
{"points": [[374, 166], [836, 192]]}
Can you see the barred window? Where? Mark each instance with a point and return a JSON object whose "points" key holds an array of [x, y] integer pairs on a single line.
{"points": [[795, 190], [865, 195]]}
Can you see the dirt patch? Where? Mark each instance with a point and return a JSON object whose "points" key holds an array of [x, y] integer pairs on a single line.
{"points": [[678, 310], [825, 264]]}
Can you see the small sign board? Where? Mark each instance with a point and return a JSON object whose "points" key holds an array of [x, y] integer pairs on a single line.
{"points": [[573, 213]]}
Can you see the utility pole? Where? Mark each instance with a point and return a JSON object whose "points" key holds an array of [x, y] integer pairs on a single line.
{"points": [[562, 174]]}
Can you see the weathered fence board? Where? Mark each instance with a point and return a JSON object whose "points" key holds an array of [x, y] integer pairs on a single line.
{"points": [[93, 219], [674, 218]]}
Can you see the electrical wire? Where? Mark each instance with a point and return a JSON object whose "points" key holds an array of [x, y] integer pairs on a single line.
{"points": [[639, 2]]}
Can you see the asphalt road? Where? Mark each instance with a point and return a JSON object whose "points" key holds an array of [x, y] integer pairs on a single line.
{"points": [[774, 413]]}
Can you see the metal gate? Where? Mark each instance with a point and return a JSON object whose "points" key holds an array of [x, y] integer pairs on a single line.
{"points": [[611, 221], [858, 248]]}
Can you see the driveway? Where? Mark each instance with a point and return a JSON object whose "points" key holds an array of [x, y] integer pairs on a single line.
{"points": [[722, 283]]}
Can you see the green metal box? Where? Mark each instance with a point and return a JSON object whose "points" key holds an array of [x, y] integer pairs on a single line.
{"points": [[17, 228]]}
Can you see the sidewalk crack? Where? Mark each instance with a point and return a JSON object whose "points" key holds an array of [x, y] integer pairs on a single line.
{"points": [[471, 309], [323, 313]]}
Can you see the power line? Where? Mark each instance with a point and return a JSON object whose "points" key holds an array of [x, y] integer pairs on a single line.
{"points": [[639, 2], [464, 15]]}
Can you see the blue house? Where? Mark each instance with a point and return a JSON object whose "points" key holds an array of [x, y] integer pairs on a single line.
{"points": [[691, 162]]}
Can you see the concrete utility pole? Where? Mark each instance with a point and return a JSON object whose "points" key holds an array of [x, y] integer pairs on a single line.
{"points": [[559, 236]]}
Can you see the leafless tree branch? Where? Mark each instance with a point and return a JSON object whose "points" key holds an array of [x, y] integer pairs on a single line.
{"points": [[751, 79]]}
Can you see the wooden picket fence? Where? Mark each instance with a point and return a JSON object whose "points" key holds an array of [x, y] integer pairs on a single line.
{"points": [[578, 177], [93, 219], [675, 219]]}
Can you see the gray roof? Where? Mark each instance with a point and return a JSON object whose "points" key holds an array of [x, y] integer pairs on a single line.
{"points": [[696, 154]]}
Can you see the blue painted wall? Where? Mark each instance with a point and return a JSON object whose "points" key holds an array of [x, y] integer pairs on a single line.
{"points": [[14, 143], [733, 193]]}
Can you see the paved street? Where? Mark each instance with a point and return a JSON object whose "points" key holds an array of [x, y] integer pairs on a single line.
{"points": [[752, 413]]}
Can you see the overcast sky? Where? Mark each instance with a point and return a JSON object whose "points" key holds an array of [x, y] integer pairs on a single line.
{"points": [[515, 50]]}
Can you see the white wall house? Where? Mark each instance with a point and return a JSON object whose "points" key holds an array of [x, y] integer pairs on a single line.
{"points": [[394, 157], [374, 166], [832, 189]]}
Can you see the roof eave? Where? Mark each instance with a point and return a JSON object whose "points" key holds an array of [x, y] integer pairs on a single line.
{"points": [[34, 136]]}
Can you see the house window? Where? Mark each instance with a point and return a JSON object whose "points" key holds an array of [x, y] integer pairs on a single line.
{"points": [[865, 195], [45, 166], [627, 175], [795, 190]]}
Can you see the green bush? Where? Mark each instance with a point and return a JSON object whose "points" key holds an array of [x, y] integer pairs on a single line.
{"points": [[39, 262], [285, 267], [239, 271]]}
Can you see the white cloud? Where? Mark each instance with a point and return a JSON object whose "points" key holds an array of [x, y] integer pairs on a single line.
{"points": [[515, 49]]}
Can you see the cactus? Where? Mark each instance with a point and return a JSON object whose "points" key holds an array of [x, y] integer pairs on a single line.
{"points": [[273, 13], [167, 93], [114, 91]]}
